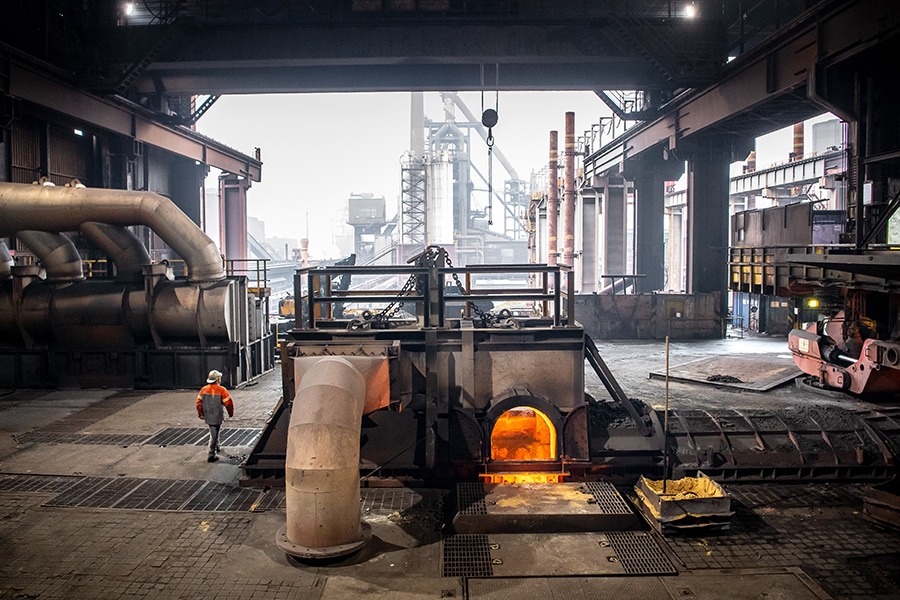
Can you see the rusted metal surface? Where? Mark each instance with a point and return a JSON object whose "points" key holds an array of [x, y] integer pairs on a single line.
{"points": [[746, 373], [788, 445]]}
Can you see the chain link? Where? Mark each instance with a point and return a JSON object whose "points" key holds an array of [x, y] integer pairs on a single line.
{"points": [[432, 256]]}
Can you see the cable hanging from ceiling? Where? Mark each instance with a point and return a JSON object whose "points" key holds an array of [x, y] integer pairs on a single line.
{"points": [[489, 119]]}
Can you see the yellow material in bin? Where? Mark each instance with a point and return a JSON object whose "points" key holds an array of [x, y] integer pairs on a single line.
{"points": [[685, 488], [687, 502]]}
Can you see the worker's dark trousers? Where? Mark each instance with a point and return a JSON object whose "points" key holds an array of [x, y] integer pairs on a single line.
{"points": [[214, 439]]}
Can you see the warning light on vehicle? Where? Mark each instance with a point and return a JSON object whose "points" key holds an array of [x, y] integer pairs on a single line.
{"points": [[812, 303]]}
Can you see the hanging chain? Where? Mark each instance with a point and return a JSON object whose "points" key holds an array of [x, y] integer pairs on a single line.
{"points": [[432, 256]]}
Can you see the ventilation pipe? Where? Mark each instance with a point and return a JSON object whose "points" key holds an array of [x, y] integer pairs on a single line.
{"points": [[6, 262], [553, 200], [322, 462], [43, 208], [569, 208], [124, 249], [57, 252]]}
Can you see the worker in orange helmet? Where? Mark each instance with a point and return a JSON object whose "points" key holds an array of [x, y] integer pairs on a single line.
{"points": [[210, 401]]}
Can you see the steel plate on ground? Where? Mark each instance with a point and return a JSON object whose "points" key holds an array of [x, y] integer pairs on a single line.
{"points": [[742, 372], [738, 585], [554, 555], [541, 507]]}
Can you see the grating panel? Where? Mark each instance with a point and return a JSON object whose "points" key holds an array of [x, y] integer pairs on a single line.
{"points": [[389, 500], [37, 483], [467, 555], [268, 500], [639, 554], [470, 498], [221, 497], [179, 436], [199, 436], [567, 588], [608, 498], [93, 439], [81, 493], [160, 494], [155, 494]]}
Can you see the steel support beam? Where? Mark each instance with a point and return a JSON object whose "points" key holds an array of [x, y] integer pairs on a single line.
{"points": [[127, 120], [739, 104]]}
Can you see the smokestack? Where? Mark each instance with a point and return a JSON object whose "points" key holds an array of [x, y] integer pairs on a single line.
{"points": [[553, 200], [797, 154], [569, 206], [417, 125], [304, 253]]}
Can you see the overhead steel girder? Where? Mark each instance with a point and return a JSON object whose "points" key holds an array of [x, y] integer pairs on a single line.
{"points": [[574, 54], [742, 102], [126, 120]]}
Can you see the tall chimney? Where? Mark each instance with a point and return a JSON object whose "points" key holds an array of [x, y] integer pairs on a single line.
{"points": [[797, 154], [304, 252], [569, 206], [553, 200]]}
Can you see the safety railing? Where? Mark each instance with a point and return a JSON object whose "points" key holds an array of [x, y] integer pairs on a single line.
{"points": [[254, 269], [411, 296]]}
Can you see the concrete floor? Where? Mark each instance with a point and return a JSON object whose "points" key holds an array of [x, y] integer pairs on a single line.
{"points": [[99, 500]]}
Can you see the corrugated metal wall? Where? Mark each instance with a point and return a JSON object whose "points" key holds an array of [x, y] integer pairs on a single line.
{"points": [[68, 155], [25, 151]]}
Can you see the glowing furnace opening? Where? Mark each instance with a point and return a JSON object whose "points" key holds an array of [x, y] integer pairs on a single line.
{"points": [[523, 433]]}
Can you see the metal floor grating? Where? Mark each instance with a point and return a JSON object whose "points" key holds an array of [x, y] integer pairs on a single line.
{"points": [[639, 554], [199, 436], [37, 484], [389, 500], [154, 494], [608, 498], [470, 498], [467, 555], [94, 439], [567, 588]]}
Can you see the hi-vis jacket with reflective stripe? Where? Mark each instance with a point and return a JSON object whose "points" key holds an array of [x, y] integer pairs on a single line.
{"points": [[210, 401]]}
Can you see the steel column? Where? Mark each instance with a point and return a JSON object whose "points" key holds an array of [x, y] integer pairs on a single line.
{"points": [[233, 216]]}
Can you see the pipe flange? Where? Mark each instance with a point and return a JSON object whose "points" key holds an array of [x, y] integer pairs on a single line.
{"points": [[307, 552]]}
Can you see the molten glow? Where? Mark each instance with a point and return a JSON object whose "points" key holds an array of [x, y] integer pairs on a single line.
{"points": [[523, 433], [523, 477]]}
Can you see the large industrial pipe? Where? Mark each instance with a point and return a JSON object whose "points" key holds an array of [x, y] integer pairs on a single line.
{"points": [[322, 463], [569, 208], [553, 201], [124, 249], [46, 208], [57, 252]]}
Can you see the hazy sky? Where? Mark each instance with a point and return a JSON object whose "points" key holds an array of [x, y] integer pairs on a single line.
{"points": [[317, 149]]}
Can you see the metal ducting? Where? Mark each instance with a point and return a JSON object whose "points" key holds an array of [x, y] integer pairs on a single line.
{"points": [[124, 249], [57, 252], [322, 463], [55, 209], [143, 327]]}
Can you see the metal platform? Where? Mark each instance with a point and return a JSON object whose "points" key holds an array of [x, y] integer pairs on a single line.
{"points": [[744, 585], [743, 372], [538, 508], [554, 555]]}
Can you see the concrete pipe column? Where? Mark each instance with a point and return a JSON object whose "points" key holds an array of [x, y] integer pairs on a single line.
{"points": [[322, 464]]}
